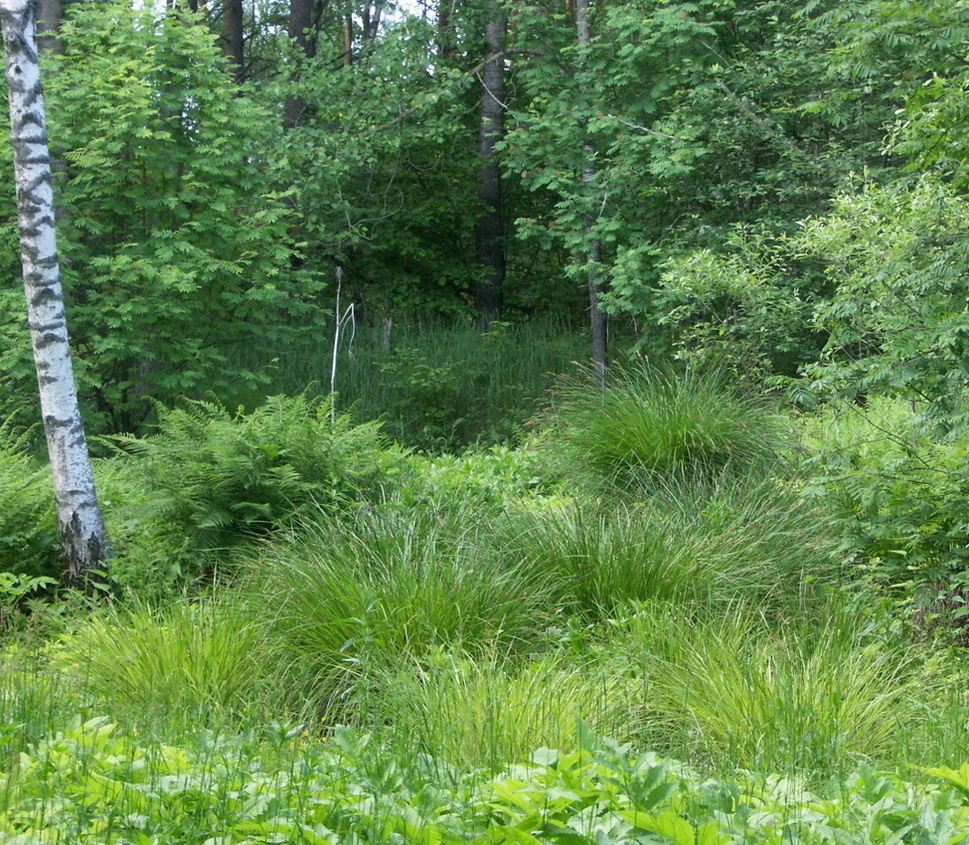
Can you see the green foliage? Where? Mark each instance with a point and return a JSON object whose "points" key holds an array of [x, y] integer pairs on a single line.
{"points": [[647, 429], [219, 478], [899, 495], [175, 240], [29, 543], [897, 320], [488, 480], [745, 309], [379, 171], [92, 782], [344, 600], [679, 121]]}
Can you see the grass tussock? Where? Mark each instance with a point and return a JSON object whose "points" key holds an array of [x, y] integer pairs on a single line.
{"points": [[189, 663], [488, 712], [337, 597], [739, 690], [649, 428], [706, 545]]}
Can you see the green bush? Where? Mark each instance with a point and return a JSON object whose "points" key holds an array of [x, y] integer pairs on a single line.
{"points": [[219, 478], [647, 428], [901, 499]]}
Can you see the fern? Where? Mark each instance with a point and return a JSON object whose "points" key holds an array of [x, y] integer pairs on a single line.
{"points": [[221, 477], [28, 525]]}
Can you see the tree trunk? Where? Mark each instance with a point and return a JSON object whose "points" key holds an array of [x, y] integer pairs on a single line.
{"points": [[234, 37], [83, 535], [489, 228], [301, 25], [445, 31], [598, 319], [49, 14]]}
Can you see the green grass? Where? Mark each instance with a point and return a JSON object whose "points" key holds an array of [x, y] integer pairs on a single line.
{"points": [[168, 669], [395, 584], [650, 427], [699, 545], [487, 711], [442, 386], [403, 677], [739, 690]]}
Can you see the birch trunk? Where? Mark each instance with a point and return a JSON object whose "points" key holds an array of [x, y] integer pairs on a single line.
{"points": [[83, 535]]}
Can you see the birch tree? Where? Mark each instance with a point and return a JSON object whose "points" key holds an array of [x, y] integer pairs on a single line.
{"points": [[83, 535]]}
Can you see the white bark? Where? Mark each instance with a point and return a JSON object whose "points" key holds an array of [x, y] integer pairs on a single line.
{"points": [[83, 535]]}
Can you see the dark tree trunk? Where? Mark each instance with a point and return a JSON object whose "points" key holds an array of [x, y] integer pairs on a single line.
{"points": [[49, 15], [598, 319], [445, 31], [371, 24], [234, 37], [347, 40], [489, 229], [302, 33]]}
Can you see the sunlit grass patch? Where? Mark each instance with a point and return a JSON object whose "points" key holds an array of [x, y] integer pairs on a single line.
{"points": [[739, 690], [167, 669]]}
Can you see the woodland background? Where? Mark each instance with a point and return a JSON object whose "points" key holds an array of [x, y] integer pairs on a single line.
{"points": [[515, 423]]}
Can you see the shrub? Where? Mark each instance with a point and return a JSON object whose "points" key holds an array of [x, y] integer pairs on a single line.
{"points": [[898, 491], [649, 428], [219, 478]]}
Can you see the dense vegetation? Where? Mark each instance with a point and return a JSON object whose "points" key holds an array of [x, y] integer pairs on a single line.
{"points": [[394, 561]]}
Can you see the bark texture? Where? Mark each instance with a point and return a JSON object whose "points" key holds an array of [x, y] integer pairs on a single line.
{"points": [[83, 535], [489, 228], [234, 37], [598, 319], [302, 18]]}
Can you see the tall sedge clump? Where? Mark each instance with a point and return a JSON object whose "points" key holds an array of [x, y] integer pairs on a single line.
{"points": [[648, 429], [83, 535]]}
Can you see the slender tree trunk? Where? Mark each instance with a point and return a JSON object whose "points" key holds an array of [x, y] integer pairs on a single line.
{"points": [[489, 228], [49, 15], [233, 34], [598, 319], [371, 15], [82, 530], [301, 25], [445, 31], [347, 40]]}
